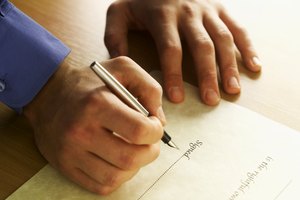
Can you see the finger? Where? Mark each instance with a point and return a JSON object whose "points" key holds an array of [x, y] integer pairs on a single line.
{"points": [[243, 42], [121, 154], [103, 172], [149, 93], [85, 181], [224, 45], [109, 112], [74, 171], [166, 36], [102, 176], [145, 88], [132, 125], [202, 49], [116, 29]]}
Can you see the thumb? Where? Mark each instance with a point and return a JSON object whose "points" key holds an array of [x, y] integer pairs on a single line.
{"points": [[117, 24]]}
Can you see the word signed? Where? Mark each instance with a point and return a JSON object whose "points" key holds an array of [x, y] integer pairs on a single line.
{"points": [[193, 146]]}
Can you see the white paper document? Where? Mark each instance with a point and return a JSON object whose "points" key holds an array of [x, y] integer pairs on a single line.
{"points": [[226, 153]]}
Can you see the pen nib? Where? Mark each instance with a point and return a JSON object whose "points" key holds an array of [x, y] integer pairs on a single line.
{"points": [[173, 145]]}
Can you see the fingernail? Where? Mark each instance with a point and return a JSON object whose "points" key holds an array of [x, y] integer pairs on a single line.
{"points": [[161, 115], [211, 97], [175, 94], [256, 63], [233, 83]]}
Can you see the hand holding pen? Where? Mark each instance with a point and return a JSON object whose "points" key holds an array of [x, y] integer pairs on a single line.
{"points": [[75, 132], [126, 96]]}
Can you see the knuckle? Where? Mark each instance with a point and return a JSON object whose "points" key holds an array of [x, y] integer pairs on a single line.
{"points": [[113, 8], [155, 149], [112, 179], [219, 6], [92, 99], [163, 13], [139, 132], [96, 98], [124, 60], [128, 161], [155, 90], [242, 31], [210, 75], [205, 44], [189, 9], [103, 190], [172, 48], [224, 34], [159, 129], [78, 135], [229, 70]]}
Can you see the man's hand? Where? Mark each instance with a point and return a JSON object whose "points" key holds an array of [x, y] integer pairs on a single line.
{"points": [[90, 135], [209, 30]]}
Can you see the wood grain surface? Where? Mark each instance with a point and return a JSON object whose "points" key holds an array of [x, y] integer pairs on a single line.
{"points": [[273, 93]]}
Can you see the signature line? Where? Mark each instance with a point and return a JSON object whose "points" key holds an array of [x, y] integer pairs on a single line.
{"points": [[161, 177]]}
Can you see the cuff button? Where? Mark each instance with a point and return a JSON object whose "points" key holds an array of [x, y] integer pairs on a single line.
{"points": [[2, 86]]}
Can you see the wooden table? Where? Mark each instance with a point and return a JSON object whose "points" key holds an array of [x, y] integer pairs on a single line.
{"points": [[80, 24]]}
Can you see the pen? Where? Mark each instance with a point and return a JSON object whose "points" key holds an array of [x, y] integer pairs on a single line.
{"points": [[125, 95]]}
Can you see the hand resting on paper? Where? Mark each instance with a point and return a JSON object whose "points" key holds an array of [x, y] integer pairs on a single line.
{"points": [[211, 33]]}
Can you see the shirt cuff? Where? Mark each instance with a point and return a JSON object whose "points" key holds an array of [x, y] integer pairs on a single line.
{"points": [[29, 55]]}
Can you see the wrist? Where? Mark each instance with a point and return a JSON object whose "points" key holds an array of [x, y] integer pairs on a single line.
{"points": [[47, 96]]}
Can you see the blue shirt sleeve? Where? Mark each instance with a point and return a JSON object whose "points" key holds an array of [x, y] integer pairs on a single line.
{"points": [[29, 55]]}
